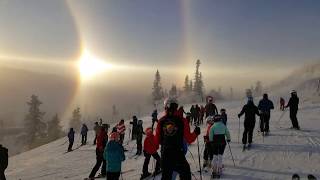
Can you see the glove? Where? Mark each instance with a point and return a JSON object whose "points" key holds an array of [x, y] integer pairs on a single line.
{"points": [[239, 116], [197, 130], [228, 140]]}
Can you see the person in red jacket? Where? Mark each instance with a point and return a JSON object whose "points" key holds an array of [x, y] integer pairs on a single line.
{"points": [[101, 144], [208, 154], [171, 132], [150, 149]]}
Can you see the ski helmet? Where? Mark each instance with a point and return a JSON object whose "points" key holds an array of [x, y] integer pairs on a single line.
{"points": [[170, 102], [294, 92], [217, 118], [210, 119]]}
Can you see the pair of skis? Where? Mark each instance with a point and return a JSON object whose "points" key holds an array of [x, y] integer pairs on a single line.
{"points": [[297, 177]]}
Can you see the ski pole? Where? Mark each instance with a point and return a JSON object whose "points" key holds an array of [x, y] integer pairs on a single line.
{"points": [[64, 143], [239, 131], [234, 164], [199, 158]]}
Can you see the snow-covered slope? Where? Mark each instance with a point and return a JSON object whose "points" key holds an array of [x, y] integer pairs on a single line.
{"points": [[277, 156]]}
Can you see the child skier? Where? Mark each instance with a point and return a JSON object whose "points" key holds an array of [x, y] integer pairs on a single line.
{"points": [[207, 154], [114, 155], [218, 135], [224, 116], [139, 137], [150, 149]]}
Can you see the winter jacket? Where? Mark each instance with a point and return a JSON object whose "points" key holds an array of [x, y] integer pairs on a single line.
{"points": [[293, 103], [71, 136], [139, 132], [211, 109], [171, 131], [218, 132], [149, 145], [224, 118], [84, 130], [154, 116], [114, 155], [250, 110], [265, 105], [3, 158], [101, 140], [121, 128], [96, 129], [134, 123], [206, 137]]}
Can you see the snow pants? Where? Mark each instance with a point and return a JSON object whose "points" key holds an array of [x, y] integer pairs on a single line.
{"points": [[100, 161], [264, 122], [208, 153], [2, 176], [113, 175], [147, 160], [248, 132], [139, 144], [70, 145], [174, 161], [293, 117], [84, 139]]}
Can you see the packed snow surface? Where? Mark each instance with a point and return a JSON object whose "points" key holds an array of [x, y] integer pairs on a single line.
{"points": [[276, 156]]}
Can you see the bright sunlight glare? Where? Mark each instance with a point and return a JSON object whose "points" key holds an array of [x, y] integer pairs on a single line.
{"points": [[90, 66]]}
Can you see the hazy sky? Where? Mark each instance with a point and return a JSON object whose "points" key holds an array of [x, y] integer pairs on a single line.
{"points": [[235, 40]]}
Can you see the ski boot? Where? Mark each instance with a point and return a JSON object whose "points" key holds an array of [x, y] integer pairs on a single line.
{"points": [[311, 177], [145, 175], [295, 177], [249, 146], [244, 148]]}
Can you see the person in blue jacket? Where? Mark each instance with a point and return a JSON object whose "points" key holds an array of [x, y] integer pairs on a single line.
{"points": [[218, 137], [114, 155], [265, 106]]}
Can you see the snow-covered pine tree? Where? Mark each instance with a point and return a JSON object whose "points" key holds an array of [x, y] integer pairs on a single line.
{"points": [[198, 83], [173, 91], [75, 121], [157, 92], [54, 128], [35, 127], [186, 87]]}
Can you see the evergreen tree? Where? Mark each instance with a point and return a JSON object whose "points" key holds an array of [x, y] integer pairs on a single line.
{"points": [[34, 126], [54, 128], [198, 84], [173, 91], [231, 93], [157, 92], [191, 86], [186, 85], [75, 121]]}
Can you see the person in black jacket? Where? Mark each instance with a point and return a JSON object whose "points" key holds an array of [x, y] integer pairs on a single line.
{"points": [[134, 123], [265, 106], [71, 139], [139, 137], [3, 161], [250, 110], [293, 104]]}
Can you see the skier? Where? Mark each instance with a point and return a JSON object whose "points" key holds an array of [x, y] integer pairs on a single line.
{"points": [[197, 115], [71, 139], [84, 134], [121, 129], [193, 114], [181, 111], [154, 118], [139, 137], [3, 161], [265, 106], [208, 154], [211, 108], [217, 136], [282, 103], [171, 131], [150, 149], [114, 155], [101, 144], [250, 110], [202, 112], [224, 116], [100, 122], [293, 104], [96, 129], [134, 123]]}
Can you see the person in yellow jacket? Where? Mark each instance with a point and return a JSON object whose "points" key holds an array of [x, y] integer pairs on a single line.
{"points": [[218, 136]]}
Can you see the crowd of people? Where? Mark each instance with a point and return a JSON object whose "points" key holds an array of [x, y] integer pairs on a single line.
{"points": [[172, 135]]}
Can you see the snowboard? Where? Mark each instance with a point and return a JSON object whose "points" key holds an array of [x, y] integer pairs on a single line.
{"points": [[295, 177]]}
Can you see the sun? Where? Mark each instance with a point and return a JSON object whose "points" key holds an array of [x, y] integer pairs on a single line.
{"points": [[90, 66]]}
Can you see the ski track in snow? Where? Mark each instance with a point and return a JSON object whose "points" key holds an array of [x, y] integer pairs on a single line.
{"points": [[276, 156]]}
